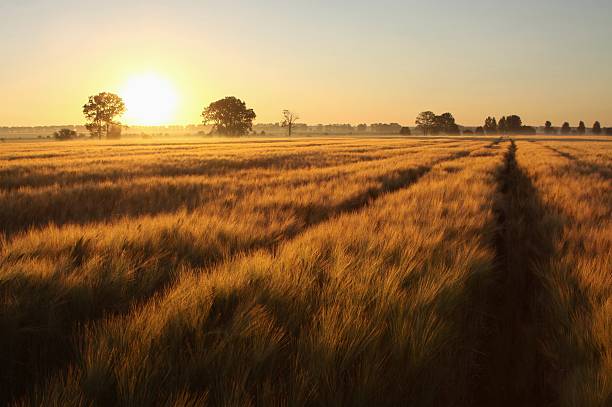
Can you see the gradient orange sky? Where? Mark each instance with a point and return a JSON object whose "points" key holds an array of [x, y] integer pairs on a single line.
{"points": [[331, 61]]}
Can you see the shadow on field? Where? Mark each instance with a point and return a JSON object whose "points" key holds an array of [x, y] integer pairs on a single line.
{"points": [[513, 367], [82, 198], [41, 315], [584, 167], [390, 183]]}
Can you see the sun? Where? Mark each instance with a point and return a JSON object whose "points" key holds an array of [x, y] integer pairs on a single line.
{"points": [[150, 100]]}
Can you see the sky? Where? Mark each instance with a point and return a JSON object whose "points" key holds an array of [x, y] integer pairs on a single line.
{"points": [[331, 61]]}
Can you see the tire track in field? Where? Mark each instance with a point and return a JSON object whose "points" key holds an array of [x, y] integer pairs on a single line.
{"points": [[44, 352], [13, 178], [581, 166], [52, 206], [513, 369]]}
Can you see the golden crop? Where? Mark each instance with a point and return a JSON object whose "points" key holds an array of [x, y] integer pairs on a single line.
{"points": [[320, 271]]}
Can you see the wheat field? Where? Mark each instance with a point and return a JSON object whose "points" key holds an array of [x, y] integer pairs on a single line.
{"points": [[307, 271]]}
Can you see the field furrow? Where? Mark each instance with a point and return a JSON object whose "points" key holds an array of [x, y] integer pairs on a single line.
{"points": [[325, 319], [576, 302], [52, 278], [105, 166], [104, 201], [314, 271], [513, 369]]}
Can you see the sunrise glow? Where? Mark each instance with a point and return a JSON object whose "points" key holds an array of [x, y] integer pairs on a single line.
{"points": [[150, 100]]}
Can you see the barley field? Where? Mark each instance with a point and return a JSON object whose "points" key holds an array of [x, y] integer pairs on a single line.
{"points": [[307, 272]]}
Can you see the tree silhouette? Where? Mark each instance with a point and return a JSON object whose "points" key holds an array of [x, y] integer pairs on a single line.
{"points": [[229, 116], [405, 131], [514, 124], [581, 128], [502, 126], [548, 128], [289, 119], [430, 123], [446, 124], [481, 130], [426, 122], [490, 125], [596, 128], [100, 111], [566, 129], [65, 134]]}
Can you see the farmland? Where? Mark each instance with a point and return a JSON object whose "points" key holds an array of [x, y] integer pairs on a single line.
{"points": [[307, 271]]}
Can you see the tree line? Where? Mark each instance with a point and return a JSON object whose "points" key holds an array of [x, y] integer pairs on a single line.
{"points": [[231, 116], [581, 129]]}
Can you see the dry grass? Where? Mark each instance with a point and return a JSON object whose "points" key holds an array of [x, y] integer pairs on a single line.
{"points": [[296, 272], [576, 305]]}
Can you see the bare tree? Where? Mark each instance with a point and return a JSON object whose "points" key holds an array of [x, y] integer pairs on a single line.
{"points": [[289, 119]]}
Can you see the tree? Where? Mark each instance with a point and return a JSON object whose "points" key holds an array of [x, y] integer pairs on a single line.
{"points": [[426, 122], [229, 116], [511, 124], [430, 123], [581, 128], [101, 111], [289, 119], [596, 128], [446, 124], [514, 124], [490, 125], [548, 128], [481, 130], [501, 126], [566, 129], [362, 128], [65, 134], [405, 131]]}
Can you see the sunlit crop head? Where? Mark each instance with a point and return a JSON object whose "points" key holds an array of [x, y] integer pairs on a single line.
{"points": [[150, 100]]}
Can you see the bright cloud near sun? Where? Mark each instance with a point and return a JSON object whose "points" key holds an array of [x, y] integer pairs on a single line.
{"points": [[150, 100]]}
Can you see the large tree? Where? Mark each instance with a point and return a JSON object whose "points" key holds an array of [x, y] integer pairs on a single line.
{"points": [[100, 111], [596, 128], [511, 124], [426, 122], [502, 125], [514, 124], [289, 119], [581, 128], [446, 124], [430, 123], [229, 116], [490, 125]]}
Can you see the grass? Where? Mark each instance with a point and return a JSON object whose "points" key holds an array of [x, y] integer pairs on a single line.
{"points": [[321, 271], [577, 314]]}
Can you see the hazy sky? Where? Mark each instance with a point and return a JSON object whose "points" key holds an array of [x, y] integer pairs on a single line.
{"points": [[331, 61]]}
